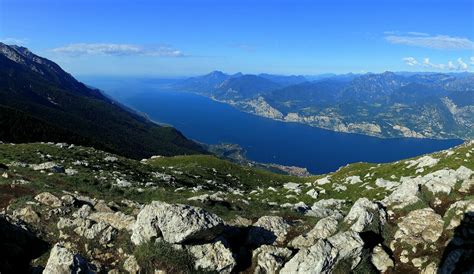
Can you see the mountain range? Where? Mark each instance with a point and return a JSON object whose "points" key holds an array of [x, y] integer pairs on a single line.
{"points": [[422, 105], [39, 101]]}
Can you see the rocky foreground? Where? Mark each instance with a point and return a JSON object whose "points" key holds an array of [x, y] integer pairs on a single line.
{"points": [[75, 209]]}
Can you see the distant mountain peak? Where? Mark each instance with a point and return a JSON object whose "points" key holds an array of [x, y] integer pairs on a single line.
{"points": [[216, 73]]}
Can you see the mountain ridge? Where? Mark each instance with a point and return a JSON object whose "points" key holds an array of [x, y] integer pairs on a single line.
{"points": [[39, 88], [389, 104]]}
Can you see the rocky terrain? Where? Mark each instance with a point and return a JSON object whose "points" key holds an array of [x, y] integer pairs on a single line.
{"points": [[69, 208]]}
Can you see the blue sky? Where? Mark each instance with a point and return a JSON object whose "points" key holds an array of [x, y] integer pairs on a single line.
{"points": [[182, 38]]}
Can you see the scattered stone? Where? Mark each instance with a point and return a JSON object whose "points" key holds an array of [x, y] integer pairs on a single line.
{"points": [[117, 220], [456, 212], [380, 259], [419, 227], [404, 195], [319, 258], [324, 208], [313, 193], [389, 185], [70, 171], [131, 265], [215, 256], [323, 181], [323, 229], [63, 261], [293, 187], [68, 200], [48, 199], [425, 161], [348, 246], [431, 268], [111, 159], [270, 259], [353, 180], [123, 183], [27, 214], [366, 216], [83, 212]]}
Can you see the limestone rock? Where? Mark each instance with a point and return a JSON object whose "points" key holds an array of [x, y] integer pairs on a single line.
{"points": [[270, 259], [176, 223], [48, 199], [348, 246], [268, 230], [323, 229], [51, 166], [466, 176], [214, 256], [456, 211], [425, 161], [117, 220], [422, 225], [404, 195], [324, 208], [83, 212], [366, 215], [295, 187], [319, 258], [432, 268], [27, 214], [63, 261], [353, 180], [313, 193], [323, 256], [131, 265], [380, 259]]}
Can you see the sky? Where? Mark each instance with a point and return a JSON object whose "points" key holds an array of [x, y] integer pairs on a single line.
{"points": [[185, 38]]}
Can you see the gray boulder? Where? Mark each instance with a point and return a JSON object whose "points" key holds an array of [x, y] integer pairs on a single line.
{"points": [[48, 199], [319, 258], [380, 259], [323, 229], [270, 259], [268, 230], [63, 261], [215, 256], [176, 223], [323, 256], [366, 216]]}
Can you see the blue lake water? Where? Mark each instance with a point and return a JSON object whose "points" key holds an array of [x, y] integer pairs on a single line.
{"points": [[270, 141], [265, 140]]}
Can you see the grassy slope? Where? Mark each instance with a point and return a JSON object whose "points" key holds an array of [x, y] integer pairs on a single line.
{"points": [[246, 188]]}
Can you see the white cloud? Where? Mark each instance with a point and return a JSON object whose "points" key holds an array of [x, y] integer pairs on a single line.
{"points": [[429, 41], [417, 33], [460, 64], [410, 61], [472, 61], [451, 66], [427, 63], [117, 50], [13, 41]]}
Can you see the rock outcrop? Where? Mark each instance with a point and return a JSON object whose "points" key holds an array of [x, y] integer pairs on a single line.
{"points": [[64, 261], [268, 230], [175, 223]]}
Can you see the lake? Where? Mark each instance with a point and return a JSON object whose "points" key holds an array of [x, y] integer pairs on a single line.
{"points": [[266, 140]]}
